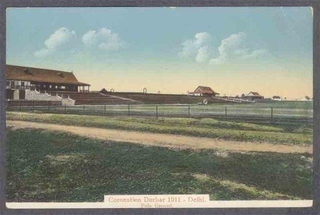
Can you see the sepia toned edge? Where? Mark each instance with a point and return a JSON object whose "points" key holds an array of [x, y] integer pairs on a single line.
{"points": [[193, 3]]}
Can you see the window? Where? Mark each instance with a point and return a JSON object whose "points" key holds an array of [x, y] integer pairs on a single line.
{"points": [[22, 83]]}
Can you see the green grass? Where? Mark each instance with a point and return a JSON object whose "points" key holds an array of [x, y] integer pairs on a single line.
{"points": [[285, 134], [308, 105], [53, 166]]}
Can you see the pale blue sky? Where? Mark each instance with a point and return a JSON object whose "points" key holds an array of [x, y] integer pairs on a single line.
{"points": [[172, 50]]}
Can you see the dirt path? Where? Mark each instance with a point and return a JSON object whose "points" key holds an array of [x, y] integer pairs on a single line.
{"points": [[164, 140]]}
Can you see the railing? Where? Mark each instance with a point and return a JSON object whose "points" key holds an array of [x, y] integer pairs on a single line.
{"points": [[21, 105], [19, 87], [84, 91], [247, 114]]}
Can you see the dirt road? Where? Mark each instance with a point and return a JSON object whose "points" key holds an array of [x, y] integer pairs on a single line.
{"points": [[164, 140]]}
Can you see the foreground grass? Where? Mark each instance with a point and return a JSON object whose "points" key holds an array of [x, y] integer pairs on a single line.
{"points": [[51, 166], [294, 134]]}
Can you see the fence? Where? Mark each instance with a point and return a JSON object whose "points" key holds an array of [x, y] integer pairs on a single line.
{"points": [[261, 114], [31, 103]]}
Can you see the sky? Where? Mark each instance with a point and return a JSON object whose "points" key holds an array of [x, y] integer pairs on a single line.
{"points": [[171, 50]]}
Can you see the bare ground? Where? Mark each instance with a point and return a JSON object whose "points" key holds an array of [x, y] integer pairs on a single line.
{"points": [[164, 140]]}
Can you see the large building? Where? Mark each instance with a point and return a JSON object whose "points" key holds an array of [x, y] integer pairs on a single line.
{"points": [[20, 78], [253, 96], [203, 91]]}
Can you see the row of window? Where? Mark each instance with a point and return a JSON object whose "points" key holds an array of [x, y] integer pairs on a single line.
{"points": [[27, 84], [18, 83]]}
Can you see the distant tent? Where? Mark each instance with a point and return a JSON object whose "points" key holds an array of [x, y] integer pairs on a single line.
{"points": [[104, 91]]}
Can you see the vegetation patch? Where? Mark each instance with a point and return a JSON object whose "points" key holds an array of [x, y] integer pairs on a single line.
{"points": [[211, 128], [49, 166]]}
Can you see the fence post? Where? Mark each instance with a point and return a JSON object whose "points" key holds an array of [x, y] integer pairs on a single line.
{"points": [[83, 108], [65, 108], [226, 112], [32, 105], [189, 111], [20, 105], [105, 110], [157, 115], [129, 109], [271, 114]]}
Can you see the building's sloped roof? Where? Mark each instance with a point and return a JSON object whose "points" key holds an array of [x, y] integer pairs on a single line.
{"points": [[41, 75], [253, 94], [204, 89]]}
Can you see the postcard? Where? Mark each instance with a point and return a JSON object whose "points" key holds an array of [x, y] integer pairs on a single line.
{"points": [[159, 107]]}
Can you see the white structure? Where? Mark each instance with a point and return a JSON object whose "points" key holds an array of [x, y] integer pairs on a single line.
{"points": [[37, 96]]}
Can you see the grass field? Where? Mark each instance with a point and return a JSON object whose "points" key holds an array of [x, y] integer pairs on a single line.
{"points": [[291, 134], [45, 165], [54, 166]]}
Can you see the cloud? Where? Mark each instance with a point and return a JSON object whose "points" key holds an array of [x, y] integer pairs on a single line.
{"points": [[203, 54], [234, 47], [42, 53], [104, 39], [59, 38], [197, 47], [253, 54], [89, 38]]}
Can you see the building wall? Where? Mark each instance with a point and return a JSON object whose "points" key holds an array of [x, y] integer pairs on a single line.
{"points": [[252, 98], [16, 95], [9, 93], [68, 102]]}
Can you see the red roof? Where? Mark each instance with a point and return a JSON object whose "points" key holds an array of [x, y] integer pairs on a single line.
{"points": [[22, 73], [254, 93], [204, 90]]}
